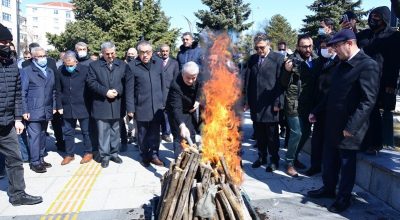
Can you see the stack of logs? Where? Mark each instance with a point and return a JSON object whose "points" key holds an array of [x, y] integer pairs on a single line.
{"points": [[188, 180]]}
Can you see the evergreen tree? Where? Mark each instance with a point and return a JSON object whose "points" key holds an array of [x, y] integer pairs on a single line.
{"points": [[245, 47], [278, 29], [333, 9], [224, 15], [119, 21]]}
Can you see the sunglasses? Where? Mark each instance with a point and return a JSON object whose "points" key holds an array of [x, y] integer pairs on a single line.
{"points": [[260, 48]]}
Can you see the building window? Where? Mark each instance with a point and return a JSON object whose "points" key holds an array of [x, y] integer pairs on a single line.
{"points": [[56, 20], [35, 19], [34, 9], [68, 14], [6, 17], [56, 12], [6, 3], [35, 26], [35, 37]]}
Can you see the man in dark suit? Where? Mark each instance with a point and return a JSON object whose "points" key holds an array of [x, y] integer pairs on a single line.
{"points": [[348, 104], [73, 104], [107, 80], [170, 71], [263, 94], [38, 92], [147, 93], [57, 120], [182, 96]]}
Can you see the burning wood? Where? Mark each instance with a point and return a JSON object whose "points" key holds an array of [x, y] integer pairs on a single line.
{"points": [[192, 189]]}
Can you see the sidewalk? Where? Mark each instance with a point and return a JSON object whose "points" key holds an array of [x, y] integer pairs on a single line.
{"points": [[125, 191]]}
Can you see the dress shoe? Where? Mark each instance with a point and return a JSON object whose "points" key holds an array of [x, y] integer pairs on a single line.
{"points": [[291, 171], [45, 164], [271, 168], [259, 162], [299, 165], [157, 162], [321, 193], [86, 158], [116, 159], [312, 171], [105, 163], [340, 205], [145, 163], [38, 168], [67, 160], [166, 138], [25, 199]]}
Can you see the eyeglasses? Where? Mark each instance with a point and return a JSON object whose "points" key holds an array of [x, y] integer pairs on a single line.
{"points": [[148, 52], [42, 56], [281, 49], [306, 46], [260, 47]]}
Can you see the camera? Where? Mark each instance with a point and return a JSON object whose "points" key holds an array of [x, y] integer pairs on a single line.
{"points": [[296, 61]]}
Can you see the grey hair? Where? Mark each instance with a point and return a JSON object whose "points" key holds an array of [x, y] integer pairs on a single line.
{"points": [[260, 37], [34, 50], [143, 43], [132, 48], [81, 44], [107, 45], [164, 45], [69, 55], [187, 33], [190, 68]]}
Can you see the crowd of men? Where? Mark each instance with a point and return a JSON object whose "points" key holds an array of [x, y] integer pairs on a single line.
{"points": [[342, 88]]}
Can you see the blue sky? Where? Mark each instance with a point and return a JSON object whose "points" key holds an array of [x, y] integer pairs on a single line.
{"points": [[262, 10]]}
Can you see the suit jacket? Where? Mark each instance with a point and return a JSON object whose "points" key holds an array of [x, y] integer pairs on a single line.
{"points": [[170, 71], [350, 100], [145, 92], [38, 93], [100, 80], [72, 92], [262, 88]]}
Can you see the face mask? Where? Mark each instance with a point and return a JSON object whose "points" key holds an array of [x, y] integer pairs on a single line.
{"points": [[130, 58], [5, 51], [70, 69], [373, 24], [82, 54], [325, 53], [321, 31], [42, 61]]}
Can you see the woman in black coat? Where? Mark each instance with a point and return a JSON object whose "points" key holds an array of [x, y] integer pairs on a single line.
{"points": [[182, 102]]}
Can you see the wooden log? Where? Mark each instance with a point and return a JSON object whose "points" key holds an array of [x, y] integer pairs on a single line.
{"points": [[225, 168], [233, 201], [225, 204], [167, 199], [220, 211], [192, 198], [199, 191], [185, 215], [179, 187], [185, 159], [164, 190], [188, 182]]}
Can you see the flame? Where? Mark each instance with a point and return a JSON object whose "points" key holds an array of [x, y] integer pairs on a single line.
{"points": [[220, 134]]}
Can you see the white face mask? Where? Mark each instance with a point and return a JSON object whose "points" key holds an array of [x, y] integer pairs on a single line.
{"points": [[325, 53], [321, 31], [282, 52], [82, 54]]}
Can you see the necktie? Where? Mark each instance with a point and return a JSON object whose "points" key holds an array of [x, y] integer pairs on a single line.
{"points": [[109, 65], [260, 61], [164, 63]]}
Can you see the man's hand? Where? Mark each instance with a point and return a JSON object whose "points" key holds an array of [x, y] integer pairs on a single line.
{"points": [[111, 94], [312, 119], [26, 116], [130, 115], [19, 127], [195, 106], [184, 131], [276, 109], [54, 111], [61, 111], [347, 134], [289, 65]]}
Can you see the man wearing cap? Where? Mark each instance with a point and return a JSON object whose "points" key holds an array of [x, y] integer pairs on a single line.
{"points": [[349, 102], [10, 123]]}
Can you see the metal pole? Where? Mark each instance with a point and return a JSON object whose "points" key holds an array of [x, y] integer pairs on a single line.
{"points": [[141, 11], [18, 29]]}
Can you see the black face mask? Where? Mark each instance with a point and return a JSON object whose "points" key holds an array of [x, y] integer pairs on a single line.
{"points": [[5, 51], [373, 23], [129, 58]]}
